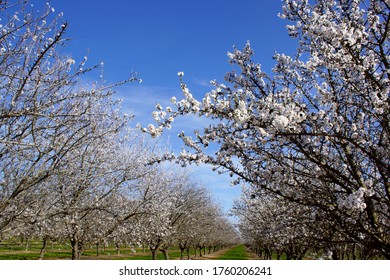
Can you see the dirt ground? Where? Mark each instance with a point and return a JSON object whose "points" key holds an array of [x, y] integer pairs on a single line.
{"points": [[215, 255]]}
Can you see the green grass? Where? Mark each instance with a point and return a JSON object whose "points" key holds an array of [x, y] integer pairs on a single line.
{"points": [[15, 249], [236, 253]]}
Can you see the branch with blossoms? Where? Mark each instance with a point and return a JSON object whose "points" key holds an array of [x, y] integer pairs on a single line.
{"points": [[315, 133]]}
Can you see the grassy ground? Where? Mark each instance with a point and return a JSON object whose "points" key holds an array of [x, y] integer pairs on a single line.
{"points": [[17, 250], [239, 252], [236, 253]]}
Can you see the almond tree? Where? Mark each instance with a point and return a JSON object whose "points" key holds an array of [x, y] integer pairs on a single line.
{"points": [[163, 209], [98, 193], [192, 208], [45, 112], [180, 212], [316, 131], [271, 224], [198, 221]]}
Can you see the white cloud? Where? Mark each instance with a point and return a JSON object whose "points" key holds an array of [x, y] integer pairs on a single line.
{"points": [[203, 83], [141, 100]]}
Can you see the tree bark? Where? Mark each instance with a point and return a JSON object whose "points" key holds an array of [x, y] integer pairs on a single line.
{"points": [[118, 248], [97, 250], [154, 255], [165, 253], [74, 249], [77, 249], [43, 249], [27, 244]]}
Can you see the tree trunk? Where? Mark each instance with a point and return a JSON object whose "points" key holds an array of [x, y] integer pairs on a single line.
{"points": [[181, 252], [74, 249], [118, 248], [27, 244], [335, 255], [80, 249], [154, 255], [354, 251], [154, 250], [344, 252], [165, 253], [77, 249], [43, 249]]}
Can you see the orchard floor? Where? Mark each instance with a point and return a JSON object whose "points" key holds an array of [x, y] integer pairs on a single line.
{"points": [[239, 252]]}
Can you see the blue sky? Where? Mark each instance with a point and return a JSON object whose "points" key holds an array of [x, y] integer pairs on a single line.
{"points": [[157, 39]]}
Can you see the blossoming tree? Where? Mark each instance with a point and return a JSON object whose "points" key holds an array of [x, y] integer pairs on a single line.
{"points": [[316, 131], [45, 112]]}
